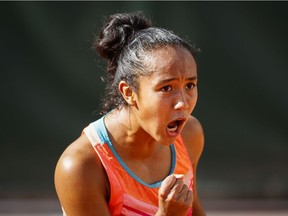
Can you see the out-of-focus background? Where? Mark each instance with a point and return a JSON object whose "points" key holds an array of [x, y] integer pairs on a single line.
{"points": [[51, 88]]}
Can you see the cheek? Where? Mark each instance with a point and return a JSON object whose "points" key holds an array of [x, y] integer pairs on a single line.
{"points": [[193, 100], [162, 104], [151, 99], [155, 108]]}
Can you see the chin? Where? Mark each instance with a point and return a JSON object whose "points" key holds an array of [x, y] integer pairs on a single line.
{"points": [[167, 141]]}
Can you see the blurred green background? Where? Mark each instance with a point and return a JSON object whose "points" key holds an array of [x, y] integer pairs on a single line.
{"points": [[51, 87]]}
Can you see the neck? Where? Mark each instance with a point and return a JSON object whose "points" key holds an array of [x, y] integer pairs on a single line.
{"points": [[128, 137]]}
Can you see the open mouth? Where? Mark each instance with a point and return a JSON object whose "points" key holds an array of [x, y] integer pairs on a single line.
{"points": [[174, 126]]}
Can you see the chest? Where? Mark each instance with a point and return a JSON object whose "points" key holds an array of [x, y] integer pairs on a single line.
{"points": [[152, 170]]}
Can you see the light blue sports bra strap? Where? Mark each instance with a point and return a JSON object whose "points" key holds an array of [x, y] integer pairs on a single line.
{"points": [[100, 129], [102, 133]]}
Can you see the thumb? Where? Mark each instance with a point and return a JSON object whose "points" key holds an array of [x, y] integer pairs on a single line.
{"points": [[168, 184]]}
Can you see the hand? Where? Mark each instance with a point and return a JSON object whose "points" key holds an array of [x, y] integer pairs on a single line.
{"points": [[174, 196]]}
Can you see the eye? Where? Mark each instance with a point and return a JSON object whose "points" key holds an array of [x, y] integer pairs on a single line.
{"points": [[190, 86], [166, 88]]}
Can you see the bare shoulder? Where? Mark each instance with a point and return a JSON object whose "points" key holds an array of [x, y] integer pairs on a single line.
{"points": [[78, 160], [193, 137], [79, 178]]}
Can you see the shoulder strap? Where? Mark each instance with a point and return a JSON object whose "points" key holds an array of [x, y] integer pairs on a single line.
{"points": [[101, 148], [92, 135]]}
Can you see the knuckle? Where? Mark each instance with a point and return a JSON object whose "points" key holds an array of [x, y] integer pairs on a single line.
{"points": [[185, 187], [189, 195]]}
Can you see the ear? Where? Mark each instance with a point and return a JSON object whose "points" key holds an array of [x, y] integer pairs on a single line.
{"points": [[127, 93]]}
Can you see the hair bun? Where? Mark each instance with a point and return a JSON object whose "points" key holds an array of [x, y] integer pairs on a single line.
{"points": [[117, 31]]}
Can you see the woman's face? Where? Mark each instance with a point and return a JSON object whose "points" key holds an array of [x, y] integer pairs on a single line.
{"points": [[168, 95]]}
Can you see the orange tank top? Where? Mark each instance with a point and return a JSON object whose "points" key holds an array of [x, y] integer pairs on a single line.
{"points": [[129, 195]]}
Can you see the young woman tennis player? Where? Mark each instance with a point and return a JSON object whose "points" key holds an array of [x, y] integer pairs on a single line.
{"points": [[141, 157]]}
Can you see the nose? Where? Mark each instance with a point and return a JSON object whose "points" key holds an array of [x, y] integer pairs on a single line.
{"points": [[181, 103]]}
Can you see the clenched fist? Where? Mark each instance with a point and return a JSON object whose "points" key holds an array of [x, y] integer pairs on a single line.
{"points": [[175, 198]]}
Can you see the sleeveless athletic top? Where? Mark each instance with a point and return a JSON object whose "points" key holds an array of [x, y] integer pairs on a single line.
{"points": [[129, 195]]}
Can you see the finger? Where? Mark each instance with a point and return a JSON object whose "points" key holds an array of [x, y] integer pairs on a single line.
{"points": [[179, 191], [189, 197], [179, 176], [185, 196], [184, 190], [178, 186], [167, 185]]}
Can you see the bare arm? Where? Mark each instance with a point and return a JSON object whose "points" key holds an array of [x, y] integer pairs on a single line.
{"points": [[193, 137], [81, 182]]}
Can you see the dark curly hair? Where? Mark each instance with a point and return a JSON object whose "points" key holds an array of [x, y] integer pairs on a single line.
{"points": [[124, 41]]}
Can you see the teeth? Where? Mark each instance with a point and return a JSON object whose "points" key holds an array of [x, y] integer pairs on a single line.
{"points": [[172, 129]]}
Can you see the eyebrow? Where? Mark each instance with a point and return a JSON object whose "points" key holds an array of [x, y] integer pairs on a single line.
{"points": [[172, 79]]}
